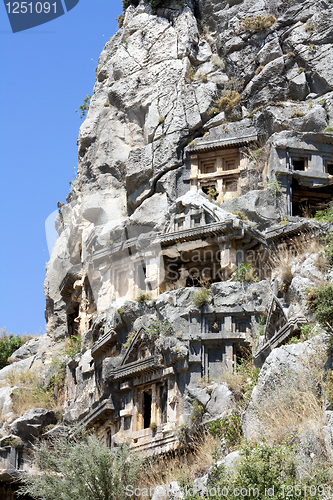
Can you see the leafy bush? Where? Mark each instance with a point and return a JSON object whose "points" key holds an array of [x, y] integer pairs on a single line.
{"points": [[329, 249], [120, 20], [329, 385], [265, 471], [242, 380], [320, 302], [153, 426], [84, 107], [329, 130], [324, 215], [201, 298], [159, 327], [244, 273], [129, 339], [274, 186], [80, 468], [228, 428], [72, 346], [9, 343], [296, 114]]}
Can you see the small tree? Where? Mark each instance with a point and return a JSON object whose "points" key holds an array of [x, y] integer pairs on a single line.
{"points": [[80, 468], [8, 344]]}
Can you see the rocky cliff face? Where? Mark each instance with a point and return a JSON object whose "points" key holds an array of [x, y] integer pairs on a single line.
{"points": [[245, 83]]}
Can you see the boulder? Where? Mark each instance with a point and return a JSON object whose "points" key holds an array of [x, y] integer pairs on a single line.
{"points": [[160, 493], [221, 400], [32, 423]]}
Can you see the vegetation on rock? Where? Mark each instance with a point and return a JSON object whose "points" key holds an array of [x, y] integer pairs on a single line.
{"points": [[263, 470], [320, 302], [9, 343], [257, 23], [201, 298], [80, 467]]}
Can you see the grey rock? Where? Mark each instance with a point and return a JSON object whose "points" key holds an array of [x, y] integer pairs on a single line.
{"points": [[32, 423], [229, 462], [174, 491], [220, 401], [160, 493], [199, 394], [270, 51], [292, 362], [298, 87], [258, 206]]}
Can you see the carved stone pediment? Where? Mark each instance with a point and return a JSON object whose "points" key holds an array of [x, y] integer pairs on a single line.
{"points": [[139, 349], [276, 319]]}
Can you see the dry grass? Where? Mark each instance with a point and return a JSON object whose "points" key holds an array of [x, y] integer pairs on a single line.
{"points": [[30, 393], [294, 405], [282, 258], [184, 465], [228, 101], [258, 155], [257, 23], [236, 382]]}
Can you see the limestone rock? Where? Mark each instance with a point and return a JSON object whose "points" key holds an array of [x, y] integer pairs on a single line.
{"points": [[32, 423], [220, 401]]}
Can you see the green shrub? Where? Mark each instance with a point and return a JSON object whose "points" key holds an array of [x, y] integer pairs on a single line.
{"points": [[274, 186], [324, 215], [120, 20], [329, 248], [142, 297], [9, 343], [197, 412], [159, 327], [212, 193], [296, 114], [201, 298], [129, 339], [84, 107], [228, 428], [329, 130], [72, 346], [265, 471], [153, 426], [320, 302], [244, 273], [329, 385], [80, 468]]}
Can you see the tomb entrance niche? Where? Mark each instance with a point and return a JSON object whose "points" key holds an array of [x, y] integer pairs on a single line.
{"points": [[147, 399], [307, 201]]}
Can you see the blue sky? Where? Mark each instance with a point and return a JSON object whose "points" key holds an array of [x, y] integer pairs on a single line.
{"points": [[45, 74]]}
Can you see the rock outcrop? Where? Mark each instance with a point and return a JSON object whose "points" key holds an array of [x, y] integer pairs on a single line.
{"points": [[207, 141]]}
